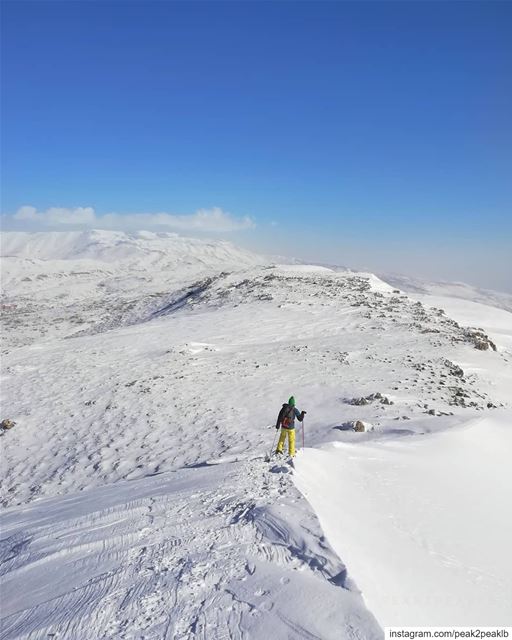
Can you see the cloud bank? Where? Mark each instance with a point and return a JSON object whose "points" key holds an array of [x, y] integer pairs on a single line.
{"points": [[203, 220]]}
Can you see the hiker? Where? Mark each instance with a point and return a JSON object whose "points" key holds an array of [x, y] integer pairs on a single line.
{"points": [[286, 420]]}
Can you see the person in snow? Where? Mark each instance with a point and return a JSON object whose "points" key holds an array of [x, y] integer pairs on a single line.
{"points": [[286, 420]]}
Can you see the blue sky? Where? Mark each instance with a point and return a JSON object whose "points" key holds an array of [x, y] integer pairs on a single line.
{"points": [[373, 134]]}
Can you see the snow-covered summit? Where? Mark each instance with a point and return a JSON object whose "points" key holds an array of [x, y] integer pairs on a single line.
{"points": [[144, 247], [101, 276]]}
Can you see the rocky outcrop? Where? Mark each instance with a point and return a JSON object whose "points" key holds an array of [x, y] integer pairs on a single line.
{"points": [[479, 339], [371, 398], [454, 369]]}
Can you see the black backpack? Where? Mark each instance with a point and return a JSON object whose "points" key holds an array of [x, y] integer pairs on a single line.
{"points": [[287, 415]]}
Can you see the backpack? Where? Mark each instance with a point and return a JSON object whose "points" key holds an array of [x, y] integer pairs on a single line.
{"points": [[288, 415]]}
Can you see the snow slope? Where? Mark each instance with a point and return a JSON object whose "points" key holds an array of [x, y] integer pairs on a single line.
{"points": [[211, 552], [424, 524], [145, 401], [57, 283], [450, 290], [495, 322], [144, 248]]}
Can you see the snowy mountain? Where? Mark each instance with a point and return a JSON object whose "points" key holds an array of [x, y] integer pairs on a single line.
{"points": [[55, 283], [145, 373], [142, 248], [450, 290]]}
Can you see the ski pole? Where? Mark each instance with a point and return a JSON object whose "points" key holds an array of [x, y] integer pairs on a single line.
{"points": [[273, 445]]}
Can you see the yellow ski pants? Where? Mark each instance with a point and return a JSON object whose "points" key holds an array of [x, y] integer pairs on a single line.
{"points": [[291, 441]]}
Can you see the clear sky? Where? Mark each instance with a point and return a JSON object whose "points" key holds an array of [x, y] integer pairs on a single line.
{"points": [[372, 134]]}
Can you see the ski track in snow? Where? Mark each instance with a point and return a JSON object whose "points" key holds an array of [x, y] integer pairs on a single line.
{"points": [[145, 373], [226, 551]]}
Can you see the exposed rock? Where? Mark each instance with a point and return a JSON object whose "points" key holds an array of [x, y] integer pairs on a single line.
{"points": [[371, 398], [7, 424], [359, 426], [455, 370], [479, 339]]}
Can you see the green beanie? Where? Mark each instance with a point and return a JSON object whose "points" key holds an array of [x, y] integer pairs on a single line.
{"points": [[291, 401]]}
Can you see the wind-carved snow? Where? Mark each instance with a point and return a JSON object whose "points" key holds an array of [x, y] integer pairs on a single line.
{"points": [[423, 524], [229, 551], [156, 390]]}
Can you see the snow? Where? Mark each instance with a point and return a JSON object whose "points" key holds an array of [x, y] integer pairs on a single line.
{"points": [[145, 372], [109, 259], [195, 553], [303, 268], [101, 279], [424, 524], [112, 246], [451, 290], [496, 322]]}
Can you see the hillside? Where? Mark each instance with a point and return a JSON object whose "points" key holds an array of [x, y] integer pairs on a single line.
{"points": [[145, 401], [58, 283]]}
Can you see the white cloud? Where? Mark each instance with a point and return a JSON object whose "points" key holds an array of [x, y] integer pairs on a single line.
{"points": [[57, 215], [207, 220]]}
